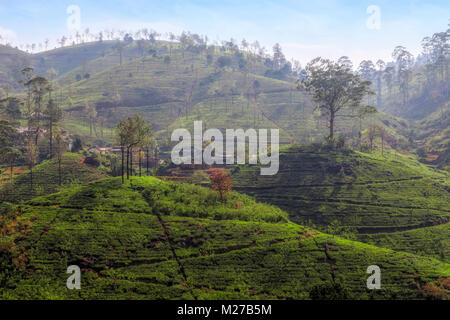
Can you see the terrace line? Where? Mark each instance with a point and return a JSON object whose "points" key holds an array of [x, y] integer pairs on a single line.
{"points": [[213, 152]]}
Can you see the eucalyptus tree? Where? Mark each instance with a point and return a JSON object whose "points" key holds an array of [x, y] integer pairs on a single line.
{"points": [[388, 77], [52, 115], [345, 62], [60, 148], [367, 70], [404, 61], [39, 86], [381, 66]]}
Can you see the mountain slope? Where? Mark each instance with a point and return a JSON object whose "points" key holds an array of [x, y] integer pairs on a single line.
{"points": [[371, 192], [156, 240]]}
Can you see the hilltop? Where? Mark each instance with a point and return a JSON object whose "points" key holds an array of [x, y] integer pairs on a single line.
{"points": [[150, 239]]}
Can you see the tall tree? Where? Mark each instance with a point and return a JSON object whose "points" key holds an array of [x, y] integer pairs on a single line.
{"points": [[333, 88], [381, 66], [388, 77], [132, 133], [345, 62], [278, 57], [404, 61], [60, 148], [31, 157], [52, 115], [39, 87]]}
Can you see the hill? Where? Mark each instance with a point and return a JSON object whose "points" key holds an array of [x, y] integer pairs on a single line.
{"points": [[172, 85], [149, 239], [12, 61], [370, 193]]}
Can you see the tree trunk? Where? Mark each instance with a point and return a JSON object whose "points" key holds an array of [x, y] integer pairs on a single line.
{"points": [[331, 125], [147, 162], [123, 155], [51, 140], [128, 161], [59, 172], [140, 163], [31, 179], [131, 161]]}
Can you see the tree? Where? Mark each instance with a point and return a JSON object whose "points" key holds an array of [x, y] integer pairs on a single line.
{"points": [[404, 61], [39, 88], [367, 70], [123, 133], [60, 148], [144, 137], [372, 132], [223, 62], [333, 88], [31, 157], [221, 182], [382, 133], [278, 57], [362, 113], [119, 46], [381, 66], [345, 62], [388, 77], [53, 115], [132, 133], [10, 107], [92, 116], [7, 133], [77, 144]]}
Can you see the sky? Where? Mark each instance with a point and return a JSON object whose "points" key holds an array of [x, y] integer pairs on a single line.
{"points": [[360, 29]]}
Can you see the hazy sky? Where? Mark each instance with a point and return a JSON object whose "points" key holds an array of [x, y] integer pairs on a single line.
{"points": [[359, 29]]}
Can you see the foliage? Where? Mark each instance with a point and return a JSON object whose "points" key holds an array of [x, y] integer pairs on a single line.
{"points": [[221, 182]]}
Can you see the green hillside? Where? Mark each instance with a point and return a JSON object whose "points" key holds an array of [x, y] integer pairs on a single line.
{"points": [[11, 63], [150, 239], [429, 241], [390, 201], [371, 192], [46, 178]]}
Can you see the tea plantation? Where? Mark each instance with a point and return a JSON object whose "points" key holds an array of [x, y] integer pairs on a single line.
{"points": [[150, 239]]}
